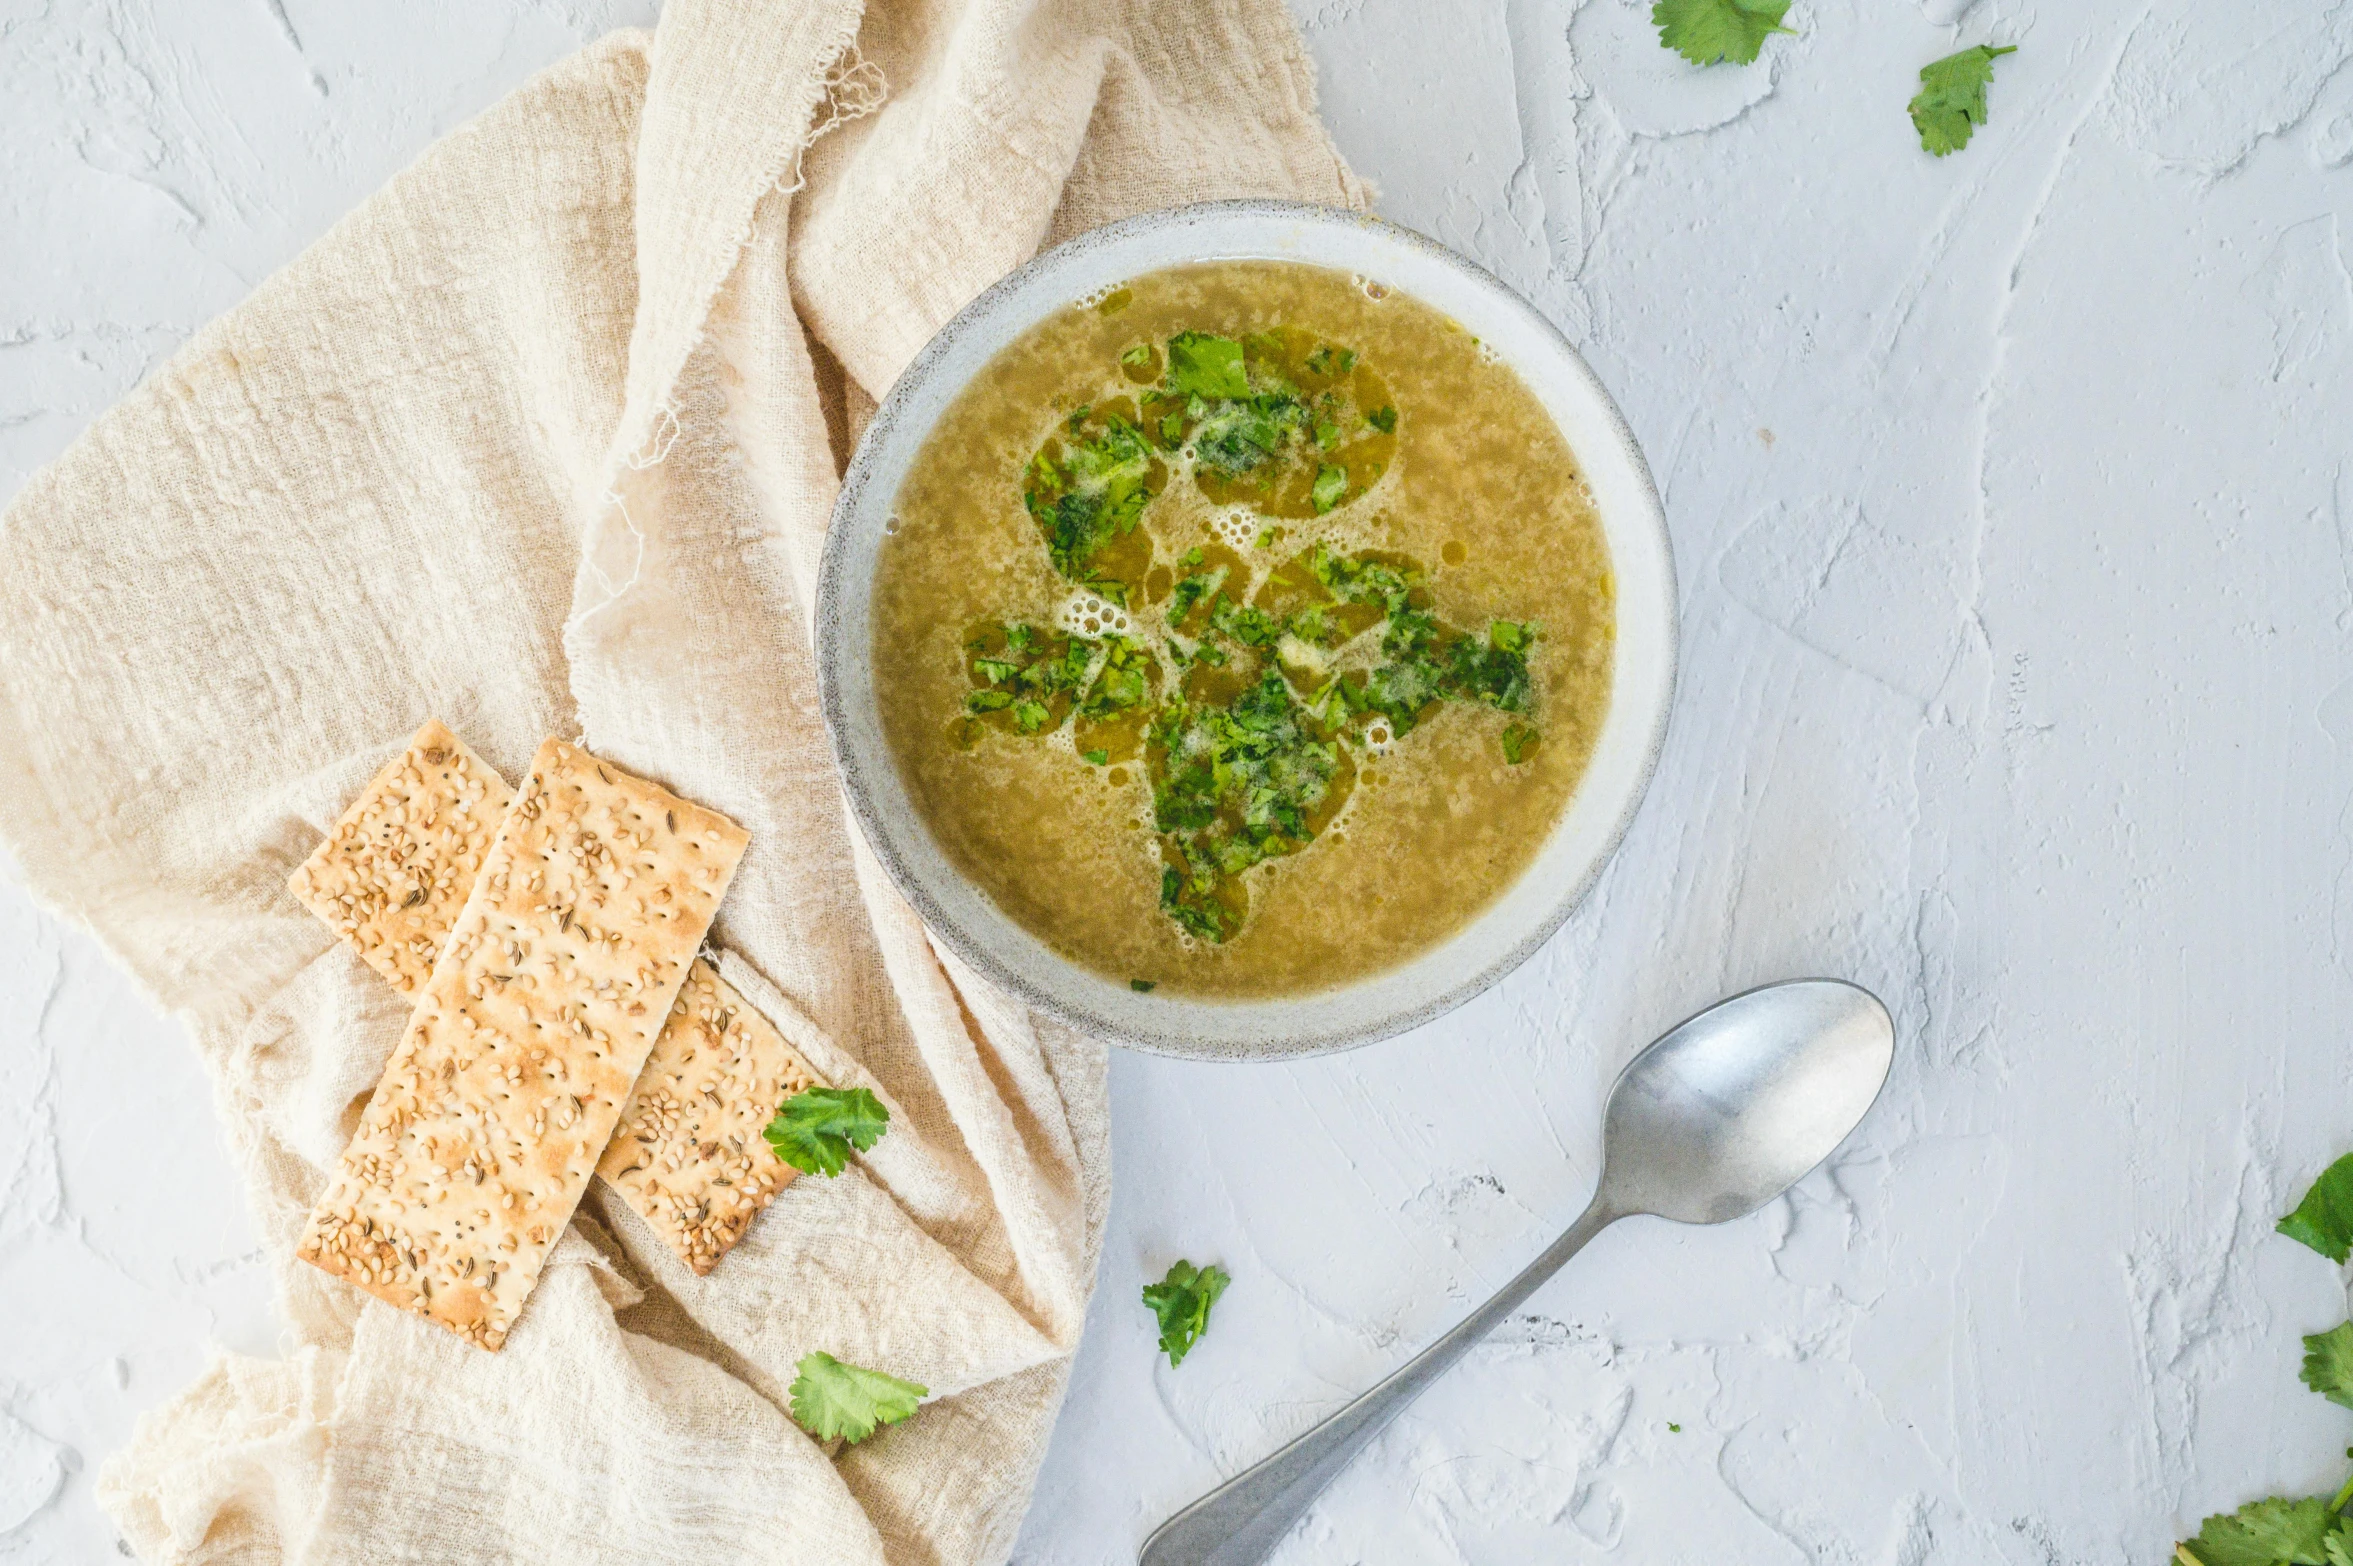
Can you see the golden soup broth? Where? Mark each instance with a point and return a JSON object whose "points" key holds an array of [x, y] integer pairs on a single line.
{"points": [[1471, 486]]}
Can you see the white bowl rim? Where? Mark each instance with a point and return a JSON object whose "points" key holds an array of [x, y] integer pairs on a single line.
{"points": [[969, 924]]}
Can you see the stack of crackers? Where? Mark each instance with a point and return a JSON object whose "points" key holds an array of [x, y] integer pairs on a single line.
{"points": [[564, 1026]]}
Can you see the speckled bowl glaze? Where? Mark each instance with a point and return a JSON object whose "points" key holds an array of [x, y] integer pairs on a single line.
{"points": [[1518, 921]]}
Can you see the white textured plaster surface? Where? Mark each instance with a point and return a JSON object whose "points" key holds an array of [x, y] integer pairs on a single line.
{"points": [[2011, 499]]}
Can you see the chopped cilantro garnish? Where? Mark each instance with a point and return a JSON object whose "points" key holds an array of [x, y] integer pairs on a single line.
{"points": [[1251, 627], [1190, 908], [1200, 365], [1329, 360], [1312, 625], [1496, 673], [1355, 580], [1142, 986], [1239, 436], [1122, 681], [1233, 786], [1192, 589], [1331, 483], [1248, 765], [1095, 494]]}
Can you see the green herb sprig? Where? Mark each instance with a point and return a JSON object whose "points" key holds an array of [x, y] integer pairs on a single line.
{"points": [[838, 1402], [1950, 104], [1181, 1301], [2313, 1530], [816, 1131]]}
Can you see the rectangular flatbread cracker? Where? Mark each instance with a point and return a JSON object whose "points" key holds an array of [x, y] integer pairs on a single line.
{"points": [[689, 1156], [395, 869], [560, 971]]}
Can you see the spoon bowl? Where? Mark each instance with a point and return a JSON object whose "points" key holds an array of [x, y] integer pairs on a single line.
{"points": [[1710, 1122], [1723, 1114]]}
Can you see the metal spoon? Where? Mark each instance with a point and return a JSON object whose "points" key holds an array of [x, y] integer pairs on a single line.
{"points": [[1709, 1123]]}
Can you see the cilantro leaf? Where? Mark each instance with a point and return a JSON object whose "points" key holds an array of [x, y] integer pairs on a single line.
{"points": [[2324, 1219], [1094, 758], [1705, 31], [1951, 102], [1121, 683], [1181, 1301], [1142, 986], [2263, 1533], [1200, 365], [2328, 1364], [1519, 743], [833, 1401], [1331, 483], [1383, 419], [1140, 354], [815, 1130]]}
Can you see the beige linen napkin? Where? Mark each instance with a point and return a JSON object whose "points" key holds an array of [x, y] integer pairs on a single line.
{"points": [[543, 440]]}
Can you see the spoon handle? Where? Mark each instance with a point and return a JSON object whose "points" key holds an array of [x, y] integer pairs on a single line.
{"points": [[1241, 1521]]}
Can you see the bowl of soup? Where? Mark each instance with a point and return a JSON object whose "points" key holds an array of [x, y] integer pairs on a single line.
{"points": [[1246, 631]]}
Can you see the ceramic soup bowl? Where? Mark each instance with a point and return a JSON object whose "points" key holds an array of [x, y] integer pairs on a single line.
{"points": [[1526, 912]]}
